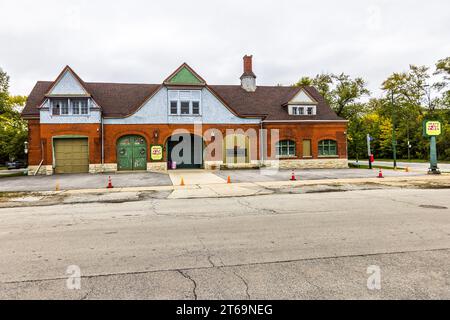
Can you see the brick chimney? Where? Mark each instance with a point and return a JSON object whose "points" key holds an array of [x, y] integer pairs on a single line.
{"points": [[248, 78]]}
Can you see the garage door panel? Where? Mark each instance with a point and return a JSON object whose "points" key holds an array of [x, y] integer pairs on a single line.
{"points": [[71, 155]]}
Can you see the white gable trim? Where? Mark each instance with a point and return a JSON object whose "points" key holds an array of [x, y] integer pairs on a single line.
{"points": [[68, 85], [302, 97]]}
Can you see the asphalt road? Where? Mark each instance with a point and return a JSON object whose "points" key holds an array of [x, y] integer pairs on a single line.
{"points": [[279, 246]]}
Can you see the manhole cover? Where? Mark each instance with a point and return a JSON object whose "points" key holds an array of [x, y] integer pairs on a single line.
{"points": [[430, 206]]}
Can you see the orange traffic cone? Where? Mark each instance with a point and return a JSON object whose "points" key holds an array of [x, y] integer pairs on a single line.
{"points": [[182, 182], [228, 179], [109, 186], [293, 176], [380, 174]]}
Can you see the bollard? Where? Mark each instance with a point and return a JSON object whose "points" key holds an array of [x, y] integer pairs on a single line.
{"points": [[57, 186]]}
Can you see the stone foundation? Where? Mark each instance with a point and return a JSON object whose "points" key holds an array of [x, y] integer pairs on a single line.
{"points": [[325, 163], [43, 170], [100, 168], [212, 165], [157, 166]]}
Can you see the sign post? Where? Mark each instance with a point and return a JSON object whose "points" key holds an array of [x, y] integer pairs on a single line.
{"points": [[369, 153], [431, 129]]}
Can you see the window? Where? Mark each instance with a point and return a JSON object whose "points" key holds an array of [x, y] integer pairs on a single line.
{"points": [[75, 106], [195, 107], [184, 102], [327, 148], [184, 107], [173, 107], [66, 106], [84, 106], [302, 110], [56, 108], [285, 148], [79, 106], [307, 148]]}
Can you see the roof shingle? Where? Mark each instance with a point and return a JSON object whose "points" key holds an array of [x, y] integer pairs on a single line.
{"points": [[121, 100]]}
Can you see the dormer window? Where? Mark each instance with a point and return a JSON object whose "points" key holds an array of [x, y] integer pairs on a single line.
{"points": [[70, 106], [297, 110]]}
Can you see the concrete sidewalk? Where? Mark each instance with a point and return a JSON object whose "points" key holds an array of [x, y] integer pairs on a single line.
{"points": [[220, 190], [193, 177]]}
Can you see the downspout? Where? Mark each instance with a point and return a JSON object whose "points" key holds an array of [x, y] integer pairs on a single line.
{"points": [[261, 143], [103, 141]]}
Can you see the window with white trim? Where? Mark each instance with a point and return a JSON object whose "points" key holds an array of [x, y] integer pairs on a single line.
{"points": [[184, 102], [69, 106], [298, 110]]}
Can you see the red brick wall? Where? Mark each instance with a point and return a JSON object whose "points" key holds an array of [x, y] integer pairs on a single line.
{"points": [[113, 132], [159, 133], [313, 131], [44, 133]]}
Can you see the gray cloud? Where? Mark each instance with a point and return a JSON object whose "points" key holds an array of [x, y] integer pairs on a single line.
{"points": [[144, 41]]}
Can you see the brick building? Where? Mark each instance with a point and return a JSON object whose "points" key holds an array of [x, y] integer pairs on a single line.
{"points": [[77, 126]]}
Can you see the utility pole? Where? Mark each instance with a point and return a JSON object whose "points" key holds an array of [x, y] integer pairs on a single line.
{"points": [[394, 142]]}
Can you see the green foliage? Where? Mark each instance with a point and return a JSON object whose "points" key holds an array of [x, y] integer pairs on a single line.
{"points": [[13, 130], [409, 98]]}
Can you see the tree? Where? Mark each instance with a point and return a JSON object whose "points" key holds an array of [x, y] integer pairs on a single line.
{"points": [[13, 130], [340, 91]]}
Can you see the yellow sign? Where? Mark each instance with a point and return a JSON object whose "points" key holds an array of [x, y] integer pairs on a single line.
{"points": [[433, 128], [156, 152]]}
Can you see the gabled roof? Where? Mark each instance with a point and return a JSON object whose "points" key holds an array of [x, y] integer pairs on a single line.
{"points": [[115, 99], [122, 100], [184, 75], [61, 75], [269, 102]]}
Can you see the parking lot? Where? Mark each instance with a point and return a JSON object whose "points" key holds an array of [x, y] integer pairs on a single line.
{"points": [[144, 179]]}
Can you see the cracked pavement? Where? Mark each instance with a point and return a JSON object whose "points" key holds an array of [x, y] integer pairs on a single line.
{"points": [[273, 246]]}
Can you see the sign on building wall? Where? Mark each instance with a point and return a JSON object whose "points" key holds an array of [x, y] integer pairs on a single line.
{"points": [[431, 128], [156, 152]]}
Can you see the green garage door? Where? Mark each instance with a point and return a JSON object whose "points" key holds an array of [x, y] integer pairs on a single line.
{"points": [[71, 155]]}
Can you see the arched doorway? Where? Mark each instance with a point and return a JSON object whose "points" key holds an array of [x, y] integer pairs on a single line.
{"points": [[185, 151], [131, 153]]}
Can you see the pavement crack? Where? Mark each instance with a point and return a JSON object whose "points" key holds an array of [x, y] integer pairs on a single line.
{"points": [[187, 276], [247, 204], [245, 283], [89, 292]]}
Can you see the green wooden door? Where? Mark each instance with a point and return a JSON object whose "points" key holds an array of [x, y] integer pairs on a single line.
{"points": [[131, 153]]}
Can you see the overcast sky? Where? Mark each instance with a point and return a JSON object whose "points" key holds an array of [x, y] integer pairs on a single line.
{"points": [[144, 41]]}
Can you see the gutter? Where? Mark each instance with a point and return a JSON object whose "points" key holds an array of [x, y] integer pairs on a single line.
{"points": [[103, 140], [280, 121]]}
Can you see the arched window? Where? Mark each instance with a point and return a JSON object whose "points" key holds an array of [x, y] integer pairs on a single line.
{"points": [[327, 148], [285, 148]]}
